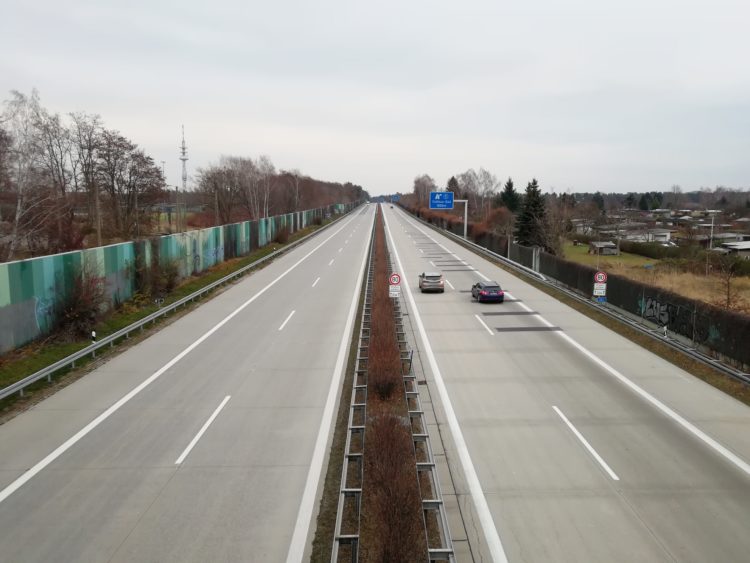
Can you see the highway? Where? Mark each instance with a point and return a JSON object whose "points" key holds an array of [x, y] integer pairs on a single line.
{"points": [[567, 441], [203, 442]]}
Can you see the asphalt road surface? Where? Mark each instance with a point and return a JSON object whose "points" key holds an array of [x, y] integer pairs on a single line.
{"points": [[202, 443], [572, 443]]}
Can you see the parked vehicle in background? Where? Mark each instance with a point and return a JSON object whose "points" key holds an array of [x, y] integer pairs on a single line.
{"points": [[431, 281], [487, 292]]}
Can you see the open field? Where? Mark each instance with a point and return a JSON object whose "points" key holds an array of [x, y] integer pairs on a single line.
{"points": [[709, 289]]}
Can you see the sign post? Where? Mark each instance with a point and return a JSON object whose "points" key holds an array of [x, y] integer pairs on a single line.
{"points": [[600, 287], [394, 285]]}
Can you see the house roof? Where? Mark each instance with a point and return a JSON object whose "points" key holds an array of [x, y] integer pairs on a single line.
{"points": [[737, 245], [602, 244]]}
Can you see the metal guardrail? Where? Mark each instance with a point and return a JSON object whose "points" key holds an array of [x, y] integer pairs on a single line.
{"points": [[110, 340], [610, 310]]}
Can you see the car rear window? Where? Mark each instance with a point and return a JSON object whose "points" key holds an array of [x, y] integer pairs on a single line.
{"points": [[433, 277], [492, 287]]}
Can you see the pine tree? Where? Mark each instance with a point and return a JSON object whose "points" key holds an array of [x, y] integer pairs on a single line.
{"points": [[453, 185], [509, 197], [531, 222]]}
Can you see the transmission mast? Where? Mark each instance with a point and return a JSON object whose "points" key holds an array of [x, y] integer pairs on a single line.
{"points": [[184, 159]]}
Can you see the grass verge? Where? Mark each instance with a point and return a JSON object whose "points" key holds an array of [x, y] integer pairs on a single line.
{"points": [[35, 356]]}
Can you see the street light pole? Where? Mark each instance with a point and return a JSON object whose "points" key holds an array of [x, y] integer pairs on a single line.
{"points": [[466, 214]]}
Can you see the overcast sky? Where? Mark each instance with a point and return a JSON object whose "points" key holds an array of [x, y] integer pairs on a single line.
{"points": [[583, 95]]}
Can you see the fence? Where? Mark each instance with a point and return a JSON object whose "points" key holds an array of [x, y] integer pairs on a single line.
{"points": [[722, 333], [31, 291]]}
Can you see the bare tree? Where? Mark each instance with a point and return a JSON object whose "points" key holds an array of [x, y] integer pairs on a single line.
{"points": [[469, 184], [267, 172], [19, 119], [423, 185], [86, 131], [487, 183]]}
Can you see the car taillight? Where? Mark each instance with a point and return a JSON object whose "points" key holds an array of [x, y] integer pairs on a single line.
{"points": [[483, 292]]}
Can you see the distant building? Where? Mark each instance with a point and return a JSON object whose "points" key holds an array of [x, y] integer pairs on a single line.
{"points": [[604, 248], [739, 248]]}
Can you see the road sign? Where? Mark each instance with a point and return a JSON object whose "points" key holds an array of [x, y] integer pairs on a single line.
{"points": [[394, 291], [395, 198], [394, 279], [600, 277], [441, 200], [600, 289]]}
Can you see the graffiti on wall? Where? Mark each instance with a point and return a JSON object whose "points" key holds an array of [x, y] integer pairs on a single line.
{"points": [[678, 318]]}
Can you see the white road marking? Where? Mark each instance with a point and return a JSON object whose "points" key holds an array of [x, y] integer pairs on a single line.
{"points": [[432, 264], [200, 433], [450, 284], [475, 488], [422, 251], [340, 249], [286, 321], [488, 329], [304, 515], [588, 446], [331, 262], [70, 442], [481, 275], [316, 282], [346, 241], [689, 426]]}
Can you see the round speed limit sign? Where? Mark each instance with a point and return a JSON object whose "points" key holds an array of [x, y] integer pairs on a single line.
{"points": [[600, 277], [394, 279]]}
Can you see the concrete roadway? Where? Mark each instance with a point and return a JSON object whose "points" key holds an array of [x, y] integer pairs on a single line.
{"points": [[529, 381], [114, 492]]}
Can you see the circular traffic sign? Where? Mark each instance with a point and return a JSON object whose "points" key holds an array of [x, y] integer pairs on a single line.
{"points": [[600, 277], [394, 279]]}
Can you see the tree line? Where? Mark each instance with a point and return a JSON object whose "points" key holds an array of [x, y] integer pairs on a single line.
{"points": [[536, 219], [68, 181]]}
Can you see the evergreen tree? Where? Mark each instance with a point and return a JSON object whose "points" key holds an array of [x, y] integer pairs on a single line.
{"points": [[510, 197], [598, 199], [453, 185], [643, 203], [530, 228]]}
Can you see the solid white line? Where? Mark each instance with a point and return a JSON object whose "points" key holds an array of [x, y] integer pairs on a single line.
{"points": [[316, 282], [488, 329], [200, 433], [304, 515], [475, 488], [481, 275], [689, 426], [588, 446], [286, 321], [70, 442], [331, 262], [450, 284]]}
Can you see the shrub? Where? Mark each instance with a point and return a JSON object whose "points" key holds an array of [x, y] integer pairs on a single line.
{"points": [[83, 303], [282, 236]]}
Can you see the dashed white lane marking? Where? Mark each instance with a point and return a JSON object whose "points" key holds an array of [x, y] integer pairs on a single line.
{"points": [[450, 284], [488, 329], [203, 429], [586, 444], [70, 442], [331, 262], [286, 321], [316, 282]]}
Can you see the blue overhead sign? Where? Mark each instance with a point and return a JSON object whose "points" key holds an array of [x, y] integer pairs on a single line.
{"points": [[395, 198], [441, 200]]}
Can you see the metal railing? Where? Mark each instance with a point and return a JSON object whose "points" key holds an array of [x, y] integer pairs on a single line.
{"points": [[124, 333], [610, 310]]}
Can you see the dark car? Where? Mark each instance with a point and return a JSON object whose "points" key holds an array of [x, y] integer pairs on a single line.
{"points": [[486, 292], [431, 281]]}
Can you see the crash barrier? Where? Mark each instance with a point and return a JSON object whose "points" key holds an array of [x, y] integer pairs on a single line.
{"points": [[721, 333], [33, 291]]}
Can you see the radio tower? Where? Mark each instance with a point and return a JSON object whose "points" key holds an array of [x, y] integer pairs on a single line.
{"points": [[184, 159]]}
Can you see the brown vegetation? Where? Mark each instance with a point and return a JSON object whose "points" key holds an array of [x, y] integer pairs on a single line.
{"points": [[392, 525]]}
